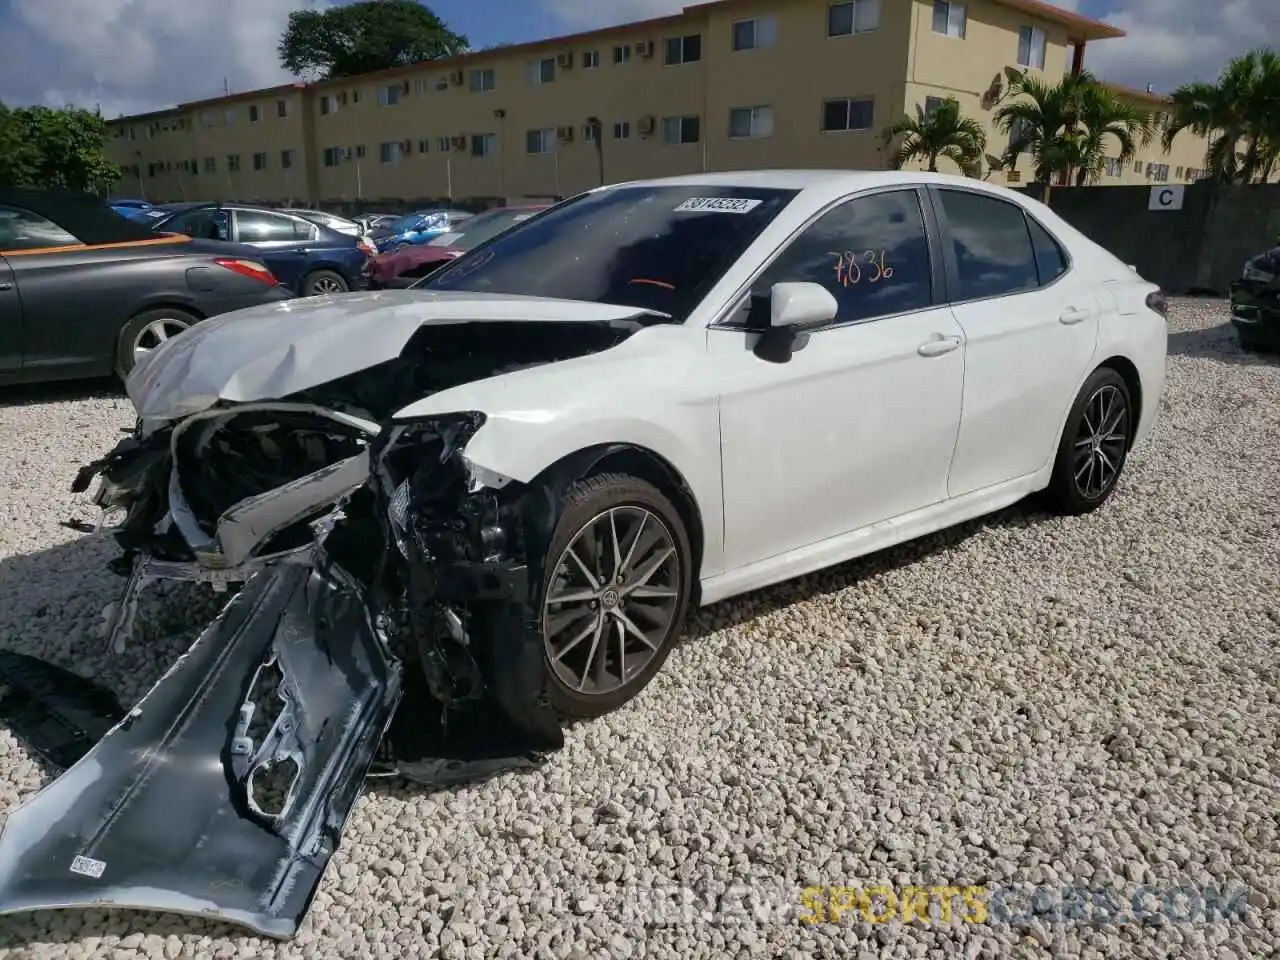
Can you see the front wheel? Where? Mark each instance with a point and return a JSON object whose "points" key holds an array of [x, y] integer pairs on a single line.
{"points": [[1094, 446], [614, 594]]}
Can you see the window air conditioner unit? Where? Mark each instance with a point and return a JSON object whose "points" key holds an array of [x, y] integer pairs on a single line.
{"points": [[564, 61], [455, 78], [564, 134], [404, 87], [406, 145], [645, 126], [459, 143], [644, 49]]}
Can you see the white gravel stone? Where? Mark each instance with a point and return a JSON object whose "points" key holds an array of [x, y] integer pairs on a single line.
{"points": [[1026, 699]]}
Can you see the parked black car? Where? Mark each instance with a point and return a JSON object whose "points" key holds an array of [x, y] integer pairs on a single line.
{"points": [[1255, 301], [306, 257], [85, 292]]}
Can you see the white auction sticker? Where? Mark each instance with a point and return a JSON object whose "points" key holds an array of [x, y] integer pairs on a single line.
{"points": [[718, 205], [88, 867]]}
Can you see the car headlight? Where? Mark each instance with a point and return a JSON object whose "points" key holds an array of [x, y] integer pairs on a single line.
{"points": [[1252, 271]]}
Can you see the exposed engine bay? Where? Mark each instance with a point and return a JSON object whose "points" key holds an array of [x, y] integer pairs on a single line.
{"points": [[382, 619]]}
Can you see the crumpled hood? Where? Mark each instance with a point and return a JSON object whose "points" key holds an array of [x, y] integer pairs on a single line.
{"points": [[277, 350]]}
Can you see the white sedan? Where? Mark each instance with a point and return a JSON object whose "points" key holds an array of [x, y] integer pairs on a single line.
{"points": [[513, 481]]}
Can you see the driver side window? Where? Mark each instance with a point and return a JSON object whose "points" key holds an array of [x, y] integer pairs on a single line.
{"points": [[871, 253]]}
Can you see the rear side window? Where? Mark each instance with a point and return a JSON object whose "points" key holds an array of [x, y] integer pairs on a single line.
{"points": [[1051, 259], [23, 230], [993, 251], [253, 226], [202, 224]]}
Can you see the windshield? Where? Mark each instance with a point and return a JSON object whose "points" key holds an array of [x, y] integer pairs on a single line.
{"points": [[657, 248], [475, 231]]}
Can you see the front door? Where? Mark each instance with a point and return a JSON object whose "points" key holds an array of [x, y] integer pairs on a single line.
{"points": [[1031, 327], [860, 424]]}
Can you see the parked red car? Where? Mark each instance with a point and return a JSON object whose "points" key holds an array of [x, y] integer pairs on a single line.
{"points": [[400, 268]]}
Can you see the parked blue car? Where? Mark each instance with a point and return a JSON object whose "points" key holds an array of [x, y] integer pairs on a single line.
{"points": [[129, 208], [416, 228], [306, 257]]}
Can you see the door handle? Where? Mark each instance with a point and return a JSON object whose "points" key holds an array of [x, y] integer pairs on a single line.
{"points": [[1072, 315], [937, 346]]}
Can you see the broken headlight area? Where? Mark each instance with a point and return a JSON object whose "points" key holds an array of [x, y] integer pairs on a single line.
{"points": [[387, 624]]}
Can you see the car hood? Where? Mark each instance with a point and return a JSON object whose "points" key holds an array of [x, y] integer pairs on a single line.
{"points": [[277, 350]]}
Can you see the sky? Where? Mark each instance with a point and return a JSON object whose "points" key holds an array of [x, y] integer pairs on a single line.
{"points": [[131, 56]]}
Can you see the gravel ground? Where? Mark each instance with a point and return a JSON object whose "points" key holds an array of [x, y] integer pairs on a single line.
{"points": [[1024, 700]]}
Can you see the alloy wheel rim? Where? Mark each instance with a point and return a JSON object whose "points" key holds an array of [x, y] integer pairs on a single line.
{"points": [[154, 334], [612, 600], [326, 285], [1101, 441]]}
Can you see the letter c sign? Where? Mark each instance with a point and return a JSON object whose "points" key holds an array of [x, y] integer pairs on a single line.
{"points": [[1166, 198]]}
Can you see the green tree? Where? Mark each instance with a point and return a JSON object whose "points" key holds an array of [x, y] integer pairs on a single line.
{"points": [[1239, 114], [1067, 127], [364, 37], [936, 133], [55, 149]]}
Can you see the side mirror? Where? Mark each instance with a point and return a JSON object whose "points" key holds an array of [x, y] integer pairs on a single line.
{"points": [[792, 308]]}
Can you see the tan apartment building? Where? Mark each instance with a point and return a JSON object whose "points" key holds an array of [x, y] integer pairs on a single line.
{"points": [[732, 84]]}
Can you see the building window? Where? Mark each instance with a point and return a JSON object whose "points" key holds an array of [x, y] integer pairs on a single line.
{"points": [[751, 122], [1159, 172], [440, 84], [210, 164], [588, 133], [949, 18], [443, 145], [1031, 44], [208, 118], [1178, 174], [360, 151], [846, 114], [1113, 167], [755, 34], [259, 161], [229, 116], [420, 85], [253, 113], [933, 103], [540, 141], [329, 103], [1020, 134], [390, 152], [282, 108], [332, 155], [854, 16], [483, 80], [424, 146], [590, 59], [676, 130], [483, 144], [233, 163], [286, 159], [356, 96], [622, 54], [622, 130], [683, 50], [542, 71], [389, 95]]}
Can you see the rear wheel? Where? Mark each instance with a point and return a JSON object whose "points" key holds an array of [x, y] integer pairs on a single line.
{"points": [[614, 595], [321, 283], [145, 333], [1094, 445]]}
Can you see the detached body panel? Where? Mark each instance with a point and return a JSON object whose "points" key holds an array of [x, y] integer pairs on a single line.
{"points": [[170, 811]]}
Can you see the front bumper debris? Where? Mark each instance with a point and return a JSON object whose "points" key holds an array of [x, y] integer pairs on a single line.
{"points": [[388, 629]]}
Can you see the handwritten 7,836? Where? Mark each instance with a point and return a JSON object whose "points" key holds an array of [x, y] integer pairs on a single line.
{"points": [[852, 268]]}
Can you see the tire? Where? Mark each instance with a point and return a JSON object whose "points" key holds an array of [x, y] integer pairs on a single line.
{"points": [[1084, 449], [635, 507], [319, 283], [145, 332]]}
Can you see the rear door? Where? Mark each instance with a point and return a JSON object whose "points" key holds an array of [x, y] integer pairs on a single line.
{"points": [[283, 240], [10, 320], [1031, 327]]}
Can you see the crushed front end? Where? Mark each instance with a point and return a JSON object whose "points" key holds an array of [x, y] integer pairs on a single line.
{"points": [[382, 620]]}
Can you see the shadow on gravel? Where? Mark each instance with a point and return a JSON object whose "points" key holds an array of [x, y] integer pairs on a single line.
{"points": [[107, 388], [49, 614], [1218, 343]]}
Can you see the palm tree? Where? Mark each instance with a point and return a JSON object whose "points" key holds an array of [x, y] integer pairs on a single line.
{"points": [[1239, 114], [1066, 127], [940, 132]]}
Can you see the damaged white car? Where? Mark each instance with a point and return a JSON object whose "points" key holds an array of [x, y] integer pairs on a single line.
{"points": [[458, 513]]}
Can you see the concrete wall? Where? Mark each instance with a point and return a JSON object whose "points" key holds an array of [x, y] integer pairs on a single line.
{"points": [[1199, 248]]}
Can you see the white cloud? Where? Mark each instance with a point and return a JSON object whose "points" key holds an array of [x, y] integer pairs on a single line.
{"points": [[580, 15], [139, 55], [1171, 42]]}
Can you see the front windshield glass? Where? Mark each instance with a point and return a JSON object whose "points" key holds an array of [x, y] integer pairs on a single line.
{"points": [[657, 248]]}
